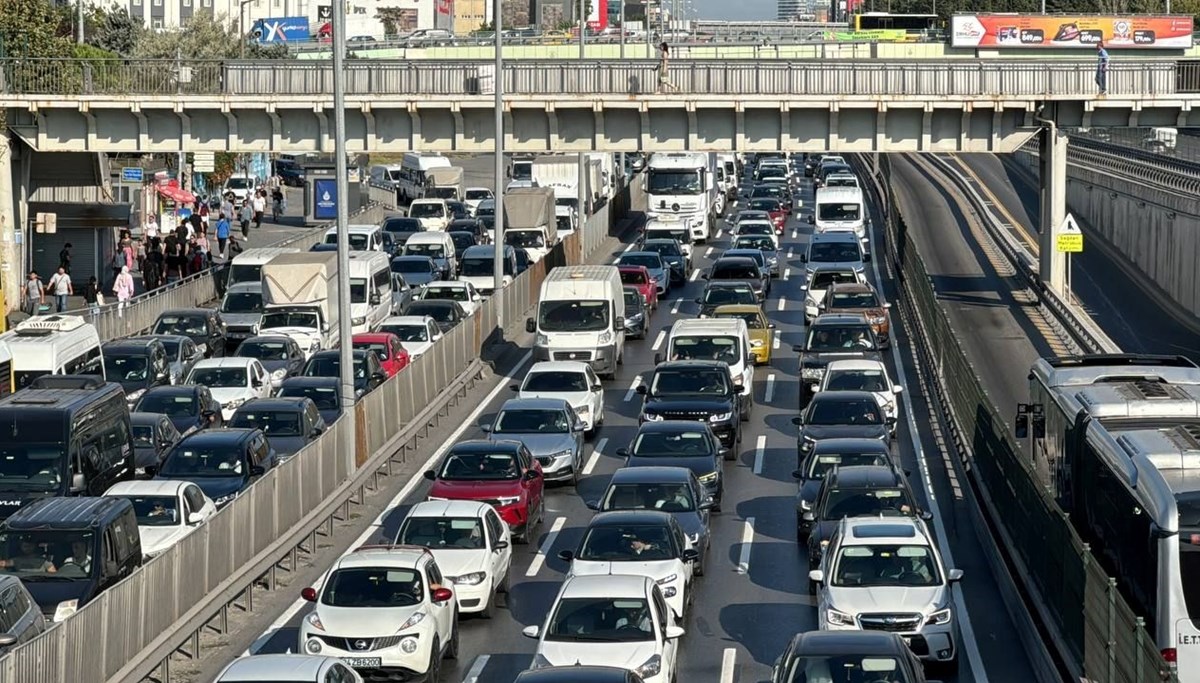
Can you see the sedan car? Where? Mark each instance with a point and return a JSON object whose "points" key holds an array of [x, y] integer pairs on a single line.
{"points": [[223, 463], [189, 408], [839, 415], [572, 381], [673, 254], [368, 373], [233, 381], [774, 209], [756, 227], [288, 669], [637, 313], [154, 435], [640, 279], [416, 332], [417, 270], [824, 457], [453, 290], [549, 429], [653, 263], [393, 357], [166, 510], [765, 245], [202, 325], [501, 473], [820, 280], [324, 392], [289, 423], [741, 269], [445, 313], [678, 443], [280, 356], [725, 292], [401, 227]]}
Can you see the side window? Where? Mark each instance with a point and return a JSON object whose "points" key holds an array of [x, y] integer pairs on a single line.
{"points": [[9, 615], [383, 281], [194, 498], [111, 550], [495, 528], [435, 574], [660, 606], [525, 459]]}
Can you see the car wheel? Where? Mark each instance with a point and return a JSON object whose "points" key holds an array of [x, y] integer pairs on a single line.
{"points": [[452, 647], [434, 673], [488, 606]]}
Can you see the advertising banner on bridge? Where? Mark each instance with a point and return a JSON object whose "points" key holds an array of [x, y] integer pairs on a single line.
{"points": [[280, 30], [1066, 31]]}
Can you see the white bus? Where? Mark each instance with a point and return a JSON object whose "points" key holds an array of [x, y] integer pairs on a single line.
{"points": [[412, 173], [370, 290], [53, 345]]}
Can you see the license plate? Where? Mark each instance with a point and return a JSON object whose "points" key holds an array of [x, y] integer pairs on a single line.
{"points": [[363, 662]]}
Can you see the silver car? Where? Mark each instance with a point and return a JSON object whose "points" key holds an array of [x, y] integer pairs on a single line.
{"points": [[549, 428]]}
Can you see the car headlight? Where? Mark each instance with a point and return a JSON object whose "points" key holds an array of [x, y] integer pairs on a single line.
{"points": [[582, 410], [694, 539], [650, 668], [812, 373], [836, 618], [135, 395], [472, 579], [65, 609], [540, 662], [254, 329], [668, 579], [507, 500], [235, 404], [415, 619], [224, 499], [652, 417], [605, 337], [542, 340], [810, 302], [757, 343], [435, 498], [314, 620], [939, 618], [361, 320], [561, 454], [709, 478], [281, 373], [720, 417], [876, 319]]}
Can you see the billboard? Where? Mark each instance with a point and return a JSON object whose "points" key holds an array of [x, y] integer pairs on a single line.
{"points": [[1065, 31], [280, 30], [597, 19], [325, 199]]}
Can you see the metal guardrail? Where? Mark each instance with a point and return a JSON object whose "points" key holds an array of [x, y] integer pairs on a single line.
{"points": [[1181, 152], [1168, 173], [1006, 79], [1096, 633]]}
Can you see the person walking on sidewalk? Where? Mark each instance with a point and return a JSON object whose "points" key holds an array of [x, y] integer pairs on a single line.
{"points": [[1102, 68], [222, 235], [260, 206], [33, 294], [92, 295], [60, 285], [247, 216], [123, 289]]}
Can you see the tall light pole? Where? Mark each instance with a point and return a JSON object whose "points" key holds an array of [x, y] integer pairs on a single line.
{"points": [[345, 344], [622, 27], [79, 20], [242, 23], [582, 25], [498, 90]]}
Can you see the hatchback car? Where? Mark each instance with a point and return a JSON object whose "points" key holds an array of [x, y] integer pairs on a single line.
{"points": [[864, 375], [447, 314], [764, 244], [549, 428], [280, 356], [678, 443], [233, 381], [189, 408], [136, 364], [202, 325], [392, 355], [501, 473], [368, 372], [453, 290], [223, 463], [638, 277], [741, 269], [673, 254], [637, 313], [166, 510], [181, 353], [154, 435], [761, 336], [723, 293], [572, 381], [417, 333], [288, 669], [695, 390], [402, 228], [289, 423], [860, 297]]}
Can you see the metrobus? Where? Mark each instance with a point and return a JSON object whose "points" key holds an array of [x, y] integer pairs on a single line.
{"points": [[877, 21]]}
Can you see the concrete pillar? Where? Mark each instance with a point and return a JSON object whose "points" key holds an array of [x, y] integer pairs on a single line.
{"points": [[1052, 266], [10, 258]]}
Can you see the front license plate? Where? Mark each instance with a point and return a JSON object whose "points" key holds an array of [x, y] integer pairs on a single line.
{"points": [[363, 662]]}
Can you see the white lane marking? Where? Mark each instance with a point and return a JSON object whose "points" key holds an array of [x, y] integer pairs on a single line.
{"points": [[968, 631], [695, 275], [770, 395], [778, 336], [728, 665], [795, 233], [597, 450], [632, 389], [412, 484], [708, 252], [789, 252], [743, 565], [675, 306], [476, 669], [658, 341], [540, 558], [782, 301], [760, 449], [786, 273]]}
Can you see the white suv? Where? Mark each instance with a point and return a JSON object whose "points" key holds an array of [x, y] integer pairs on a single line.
{"points": [[887, 575], [470, 543], [434, 214], [384, 609]]}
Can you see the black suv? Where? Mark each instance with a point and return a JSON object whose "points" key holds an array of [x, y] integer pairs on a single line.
{"points": [[740, 269], [833, 336], [825, 457], [841, 415], [846, 651], [698, 391], [203, 326]]}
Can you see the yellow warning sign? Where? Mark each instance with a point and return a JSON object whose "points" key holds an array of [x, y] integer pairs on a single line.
{"points": [[1071, 243]]}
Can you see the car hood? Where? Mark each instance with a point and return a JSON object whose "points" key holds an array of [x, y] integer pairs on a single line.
{"points": [[272, 365], [241, 319], [674, 406], [156, 539], [328, 415], [47, 594], [416, 348], [224, 395], [474, 490], [287, 445], [214, 487], [624, 655], [699, 464], [575, 398], [355, 622], [657, 570], [459, 561], [819, 432], [891, 599], [185, 423], [541, 444]]}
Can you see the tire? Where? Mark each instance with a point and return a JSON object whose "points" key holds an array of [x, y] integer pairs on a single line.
{"points": [[489, 607], [434, 673], [452, 647]]}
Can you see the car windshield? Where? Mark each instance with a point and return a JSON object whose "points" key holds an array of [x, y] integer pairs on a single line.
{"points": [[373, 587], [238, 184], [706, 348], [719, 296], [673, 182], [242, 302], [358, 241], [838, 212], [820, 465], [664, 497], [34, 466], [857, 380], [773, 191], [680, 235], [217, 377], [733, 271], [650, 261], [866, 502], [381, 349], [601, 620], [833, 252], [429, 210], [358, 291], [408, 333], [143, 435], [755, 228], [433, 251], [204, 461], [690, 382], [126, 368], [634, 277], [764, 204], [172, 346], [156, 510], [663, 248], [462, 240], [272, 422], [411, 265], [754, 319], [551, 381], [441, 314], [627, 543], [846, 669], [823, 279], [442, 533], [657, 444], [573, 316], [480, 466], [886, 565], [47, 555], [853, 300], [525, 239], [171, 405], [529, 421], [849, 337], [326, 398], [478, 267], [402, 225], [329, 366], [264, 350], [760, 242], [633, 301], [276, 320], [479, 194], [188, 326], [836, 410], [448, 293]]}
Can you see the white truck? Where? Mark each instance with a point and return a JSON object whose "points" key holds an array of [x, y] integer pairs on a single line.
{"points": [[300, 299], [581, 317], [728, 175], [529, 221], [683, 185], [444, 183]]}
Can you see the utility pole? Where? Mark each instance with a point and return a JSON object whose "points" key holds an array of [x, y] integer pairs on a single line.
{"points": [[79, 19], [582, 26], [345, 343], [498, 90]]}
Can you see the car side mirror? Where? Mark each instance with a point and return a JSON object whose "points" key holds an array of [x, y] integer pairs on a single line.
{"points": [[749, 357], [592, 504], [485, 428], [658, 358], [578, 426], [798, 421], [257, 470], [500, 545], [531, 631], [208, 414], [954, 575], [375, 299], [770, 326], [619, 323], [698, 300], [803, 258], [816, 576], [623, 452], [309, 594], [690, 555], [674, 632], [897, 389], [379, 377], [927, 516], [798, 475], [887, 304], [566, 555], [642, 389], [891, 422], [811, 220], [597, 387], [530, 475], [515, 387], [151, 470], [441, 595], [195, 518], [7, 639], [530, 325], [430, 475], [798, 348]]}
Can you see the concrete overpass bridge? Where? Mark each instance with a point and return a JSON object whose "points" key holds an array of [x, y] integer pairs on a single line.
{"points": [[572, 105]]}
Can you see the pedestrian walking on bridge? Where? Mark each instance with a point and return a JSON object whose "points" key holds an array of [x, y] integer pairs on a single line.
{"points": [[1102, 68], [664, 58]]}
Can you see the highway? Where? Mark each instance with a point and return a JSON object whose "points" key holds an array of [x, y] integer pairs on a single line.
{"points": [[754, 597]]}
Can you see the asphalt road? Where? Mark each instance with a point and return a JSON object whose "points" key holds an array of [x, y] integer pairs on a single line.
{"points": [[754, 597]]}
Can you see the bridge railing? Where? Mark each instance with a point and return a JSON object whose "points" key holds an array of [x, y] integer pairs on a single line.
{"points": [[845, 78]]}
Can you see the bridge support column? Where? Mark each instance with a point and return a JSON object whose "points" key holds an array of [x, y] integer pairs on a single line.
{"points": [[10, 262], [1052, 266]]}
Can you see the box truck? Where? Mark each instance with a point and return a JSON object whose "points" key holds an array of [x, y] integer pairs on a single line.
{"points": [[529, 220], [300, 295]]}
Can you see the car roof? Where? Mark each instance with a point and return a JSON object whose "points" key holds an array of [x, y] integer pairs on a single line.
{"points": [[843, 396], [833, 319], [485, 446], [557, 366], [172, 390], [407, 320], [313, 382], [179, 312], [133, 344], [672, 427], [373, 556], [884, 530], [535, 404], [850, 445], [217, 436], [577, 673], [812, 643], [865, 476], [274, 338], [618, 517], [692, 365], [651, 475], [448, 508], [833, 236], [856, 364], [372, 337], [72, 512], [735, 260], [227, 362], [851, 286], [276, 403], [606, 586], [147, 487]]}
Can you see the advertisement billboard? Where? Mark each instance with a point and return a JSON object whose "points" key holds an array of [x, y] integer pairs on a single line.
{"points": [[325, 199], [597, 19], [1065, 31], [280, 30]]}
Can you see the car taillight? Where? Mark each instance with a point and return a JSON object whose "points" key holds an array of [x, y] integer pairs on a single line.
{"points": [[1170, 655]]}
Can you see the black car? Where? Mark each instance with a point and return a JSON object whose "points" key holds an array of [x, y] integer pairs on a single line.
{"points": [[417, 270], [182, 353], [833, 336], [401, 228], [637, 315], [679, 443], [578, 674], [222, 462], [523, 260], [190, 407], [827, 455], [462, 241], [695, 390], [822, 655], [136, 364], [388, 244], [741, 269], [280, 356], [810, 166], [368, 372], [324, 246], [154, 435], [862, 491], [725, 292], [840, 415], [289, 423], [458, 210], [325, 392], [202, 325], [672, 255], [445, 313]]}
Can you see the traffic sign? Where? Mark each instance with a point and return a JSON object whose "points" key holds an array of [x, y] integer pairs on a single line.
{"points": [[131, 174], [1070, 238], [204, 162]]}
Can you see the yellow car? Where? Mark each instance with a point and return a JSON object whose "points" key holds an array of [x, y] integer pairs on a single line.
{"points": [[760, 328], [557, 38]]}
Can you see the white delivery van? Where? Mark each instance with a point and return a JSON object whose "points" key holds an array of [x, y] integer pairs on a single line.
{"points": [[247, 266], [434, 214], [370, 290], [581, 317], [721, 339], [841, 209], [438, 246], [53, 345], [413, 168]]}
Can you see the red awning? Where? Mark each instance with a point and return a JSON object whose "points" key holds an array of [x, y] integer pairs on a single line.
{"points": [[172, 191]]}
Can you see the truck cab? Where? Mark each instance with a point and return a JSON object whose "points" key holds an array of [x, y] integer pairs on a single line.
{"points": [[683, 185]]}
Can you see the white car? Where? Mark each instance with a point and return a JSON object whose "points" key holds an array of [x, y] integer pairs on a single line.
{"points": [[288, 669], [434, 214], [644, 542], [232, 381], [472, 196], [612, 620], [453, 290], [384, 609], [166, 510], [471, 545], [864, 375], [574, 382], [819, 282], [416, 332], [755, 226]]}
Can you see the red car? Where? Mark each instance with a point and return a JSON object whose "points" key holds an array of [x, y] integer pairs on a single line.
{"points": [[387, 346], [774, 207], [639, 277], [502, 473]]}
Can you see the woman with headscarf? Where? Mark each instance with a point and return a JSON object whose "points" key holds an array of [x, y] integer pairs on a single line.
{"points": [[123, 288]]}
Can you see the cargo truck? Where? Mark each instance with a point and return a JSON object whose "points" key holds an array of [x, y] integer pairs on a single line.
{"points": [[300, 299], [444, 183], [529, 220], [683, 185]]}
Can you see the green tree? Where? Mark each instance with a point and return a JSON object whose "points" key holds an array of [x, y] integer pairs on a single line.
{"points": [[30, 28], [393, 19], [114, 30]]}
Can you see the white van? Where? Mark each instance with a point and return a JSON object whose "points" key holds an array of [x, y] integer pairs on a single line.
{"points": [[723, 339], [581, 317], [841, 209], [386, 174], [434, 214], [412, 173], [247, 266], [667, 227], [53, 345], [438, 246], [370, 290], [361, 237], [727, 163]]}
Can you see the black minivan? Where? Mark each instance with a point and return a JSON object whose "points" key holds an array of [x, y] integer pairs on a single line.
{"points": [[136, 364], [68, 550]]}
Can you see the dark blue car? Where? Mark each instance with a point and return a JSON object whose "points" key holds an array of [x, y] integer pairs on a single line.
{"points": [[223, 463]]}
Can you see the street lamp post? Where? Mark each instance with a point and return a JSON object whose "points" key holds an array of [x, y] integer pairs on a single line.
{"points": [[622, 27], [242, 23], [498, 90], [345, 342], [582, 26]]}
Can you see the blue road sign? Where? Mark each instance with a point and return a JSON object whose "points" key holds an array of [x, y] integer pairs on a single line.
{"points": [[131, 174]]}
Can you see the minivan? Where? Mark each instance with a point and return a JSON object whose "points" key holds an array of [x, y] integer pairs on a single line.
{"points": [[438, 246]]}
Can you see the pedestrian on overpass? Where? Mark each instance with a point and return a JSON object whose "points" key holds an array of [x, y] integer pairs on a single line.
{"points": [[1102, 67], [664, 58]]}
